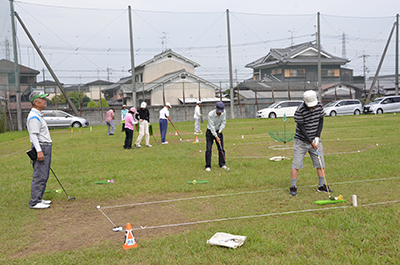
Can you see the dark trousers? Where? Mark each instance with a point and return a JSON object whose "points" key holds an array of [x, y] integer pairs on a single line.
{"points": [[41, 170], [163, 129], [210, 141], [128, 138], [123, 126]]}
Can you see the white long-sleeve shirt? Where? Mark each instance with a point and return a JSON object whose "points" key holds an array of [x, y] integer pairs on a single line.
{"points": [[197, 113], [216, 123]]}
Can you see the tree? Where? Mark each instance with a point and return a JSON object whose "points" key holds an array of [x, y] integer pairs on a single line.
{"points": [[91, 104], [103, 103], [74, 96]]}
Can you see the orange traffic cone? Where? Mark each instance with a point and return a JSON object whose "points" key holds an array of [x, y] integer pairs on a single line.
{"points": [[129, 238], [176, 133], [197, 139]]}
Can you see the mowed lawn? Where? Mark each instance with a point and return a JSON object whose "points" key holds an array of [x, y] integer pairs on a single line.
{"points": [[173, 220]]}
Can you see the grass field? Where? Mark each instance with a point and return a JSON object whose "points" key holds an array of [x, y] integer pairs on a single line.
{"points": [[150, 190]]}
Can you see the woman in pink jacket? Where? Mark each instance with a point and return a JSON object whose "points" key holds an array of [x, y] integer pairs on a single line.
{"points": [[129, 122]]}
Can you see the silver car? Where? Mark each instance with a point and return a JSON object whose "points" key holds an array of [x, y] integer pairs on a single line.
{"points": [[58, 118], [383, 105], [343, 107]]}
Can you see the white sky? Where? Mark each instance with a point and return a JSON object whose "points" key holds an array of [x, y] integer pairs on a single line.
{"points": [[81, 39]]}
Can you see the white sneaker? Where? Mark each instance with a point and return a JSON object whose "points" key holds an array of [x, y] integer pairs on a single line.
{"points": [[225, 167], [208, 169], [138, 145], [40, 206], [148, 145], [165, 142], [46, 201]]}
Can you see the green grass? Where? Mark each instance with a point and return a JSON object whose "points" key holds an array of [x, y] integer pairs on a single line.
{"points": [[279, 228]]}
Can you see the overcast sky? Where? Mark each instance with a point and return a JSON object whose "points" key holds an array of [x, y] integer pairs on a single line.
{"points": [[89, 40]]}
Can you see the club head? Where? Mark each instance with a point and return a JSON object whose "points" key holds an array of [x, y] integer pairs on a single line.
{"points": [[71, 198], [117, 229]]}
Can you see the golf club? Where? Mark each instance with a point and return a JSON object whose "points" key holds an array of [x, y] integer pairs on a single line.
{"points": [[177, 131], [69, 198], [151, 133], [323, 174], [115, 229], [222, 152]]}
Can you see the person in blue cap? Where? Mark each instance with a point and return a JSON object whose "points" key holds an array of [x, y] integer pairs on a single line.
{"points": [[216, 124]]}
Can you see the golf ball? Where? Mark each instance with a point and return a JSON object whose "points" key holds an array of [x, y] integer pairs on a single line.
{"points": [[194, 181], [98, 206]]}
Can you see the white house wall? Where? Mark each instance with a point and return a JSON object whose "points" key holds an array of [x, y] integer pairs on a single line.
{"points": [[175, 91], [158, 68]]}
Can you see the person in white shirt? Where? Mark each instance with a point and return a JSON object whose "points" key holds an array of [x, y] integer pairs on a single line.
{"points": [[197, 116], [164, 118], [40, 138], [216, 124]]}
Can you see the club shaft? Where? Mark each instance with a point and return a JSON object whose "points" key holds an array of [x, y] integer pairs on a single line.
{"points": [[59, 182], [323, 174]]}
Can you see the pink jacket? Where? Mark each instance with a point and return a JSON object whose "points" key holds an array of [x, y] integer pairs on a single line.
{"points": [[129, 121]]}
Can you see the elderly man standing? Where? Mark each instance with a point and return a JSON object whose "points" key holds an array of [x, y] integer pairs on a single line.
{"points": [[197, 115], [40, 138], [216, 124], [309, 118], [164, 118]]}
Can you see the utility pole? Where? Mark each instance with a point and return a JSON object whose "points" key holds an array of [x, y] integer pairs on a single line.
{"points": [[397, 56], [344, 46], [16, 68], [132, 59], [47, 65], [230, 67], [380, 65], [319, 59], [365, 75]]}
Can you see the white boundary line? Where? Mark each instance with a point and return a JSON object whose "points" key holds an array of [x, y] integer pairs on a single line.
{"points": [[261, 215], [237, 193]]}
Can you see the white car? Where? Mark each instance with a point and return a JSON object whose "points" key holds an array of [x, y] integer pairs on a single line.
{"points": [[58, 118], [278, 109], [343, 107], [383, 105]]}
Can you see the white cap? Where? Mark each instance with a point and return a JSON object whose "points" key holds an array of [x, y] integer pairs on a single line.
{"points": [[143, 105], [198, 102], [310, 98], [168, 104]]}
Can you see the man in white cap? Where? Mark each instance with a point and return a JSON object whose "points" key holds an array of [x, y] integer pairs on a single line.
{"points": [[164, 118], [143, 115], [40, 138], [216, 124], [197, 116], [309, 118]]}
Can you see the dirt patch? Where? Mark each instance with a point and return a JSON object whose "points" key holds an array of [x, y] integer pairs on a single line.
{"points": [[73, 225]]}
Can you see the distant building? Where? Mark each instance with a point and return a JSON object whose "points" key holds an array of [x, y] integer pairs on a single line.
{"points": [[7, 83], [167, 77]]}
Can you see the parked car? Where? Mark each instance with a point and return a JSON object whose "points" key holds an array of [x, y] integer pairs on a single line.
{"points": [[278, 109], [383, 105], [58, 118], [343, 107]]}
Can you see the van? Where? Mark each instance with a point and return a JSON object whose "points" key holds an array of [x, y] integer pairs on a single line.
{"points": [[343, 107], [58, 118], [279, 109], [383, 105]]}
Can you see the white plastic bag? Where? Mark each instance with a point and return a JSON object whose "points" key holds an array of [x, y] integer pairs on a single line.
{"points": [[226, 240]]}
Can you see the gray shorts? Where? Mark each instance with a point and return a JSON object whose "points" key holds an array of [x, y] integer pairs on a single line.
{"points": [[300, 150]]}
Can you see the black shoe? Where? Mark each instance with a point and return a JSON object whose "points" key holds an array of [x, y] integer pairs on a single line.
{"points": [[323, 189], [293, 191]]}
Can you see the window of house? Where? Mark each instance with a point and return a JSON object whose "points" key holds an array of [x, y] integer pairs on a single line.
{"points": [[279, 71], [273, 72], [295, 72], [256, 76], [13, 98], [330, 72]]}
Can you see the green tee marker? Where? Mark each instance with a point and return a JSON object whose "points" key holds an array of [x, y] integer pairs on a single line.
{"points": [[322, 202], [197, 181], [284, 117]]}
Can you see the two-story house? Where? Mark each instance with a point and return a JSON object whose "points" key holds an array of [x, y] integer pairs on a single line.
{"points": [[167, 77], [296, 67]]}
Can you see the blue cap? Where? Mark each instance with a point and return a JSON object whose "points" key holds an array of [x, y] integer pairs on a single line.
{"points": [[220, 106]]}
